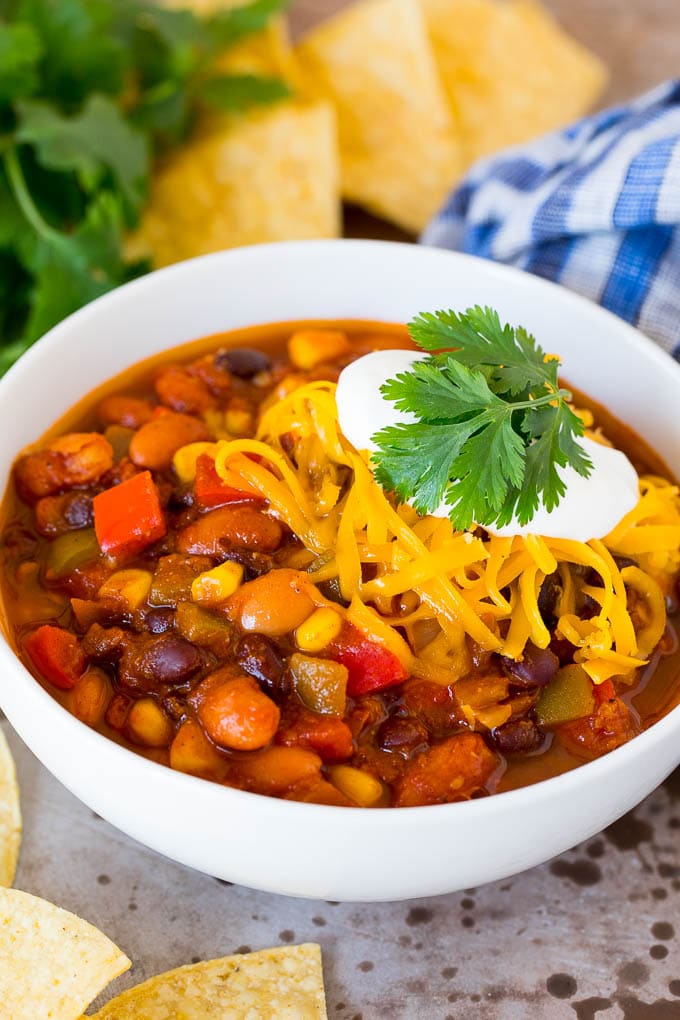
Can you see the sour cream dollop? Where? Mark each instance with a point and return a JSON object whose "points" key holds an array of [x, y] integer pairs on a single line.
{"points": [[590, 508]]}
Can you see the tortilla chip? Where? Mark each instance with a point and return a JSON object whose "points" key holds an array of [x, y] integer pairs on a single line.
{"points": [[398, 147], [270, 175], [52, 963], [275, 984], [509, 71], [10, 815]]}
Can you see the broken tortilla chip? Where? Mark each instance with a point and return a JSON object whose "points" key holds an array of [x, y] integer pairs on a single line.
{"points": [[10, 815], [398, 147], [52, 963], [510, 72], [270, 175], [285, 983]]}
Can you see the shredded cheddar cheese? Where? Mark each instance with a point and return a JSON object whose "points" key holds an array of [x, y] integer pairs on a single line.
{"points": [[442, 588]]}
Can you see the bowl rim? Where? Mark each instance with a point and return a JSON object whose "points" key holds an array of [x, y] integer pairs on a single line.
{"points": [[95, 742]]}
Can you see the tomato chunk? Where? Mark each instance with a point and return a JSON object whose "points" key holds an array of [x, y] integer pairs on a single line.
{"points": [[211, 490], [329, 736], [370, 666], [447, 772], [57, 655], [129, 517]]}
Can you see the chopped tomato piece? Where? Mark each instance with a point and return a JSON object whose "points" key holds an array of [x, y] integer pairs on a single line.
{"points": [[370, 666], [129, 517], [211, 490], [57, 655], [609, 726], [447, 772]]}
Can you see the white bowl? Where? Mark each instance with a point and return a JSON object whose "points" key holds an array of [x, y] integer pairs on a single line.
{"points": [[307, 849]]}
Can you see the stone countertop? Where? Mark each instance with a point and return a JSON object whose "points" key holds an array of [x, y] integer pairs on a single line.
{"points": [[588, 936]]}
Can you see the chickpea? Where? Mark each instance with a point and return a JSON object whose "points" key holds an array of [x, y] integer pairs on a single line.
{"points": [[148, 724], [192, 752], [238, 716], [273, 604]]}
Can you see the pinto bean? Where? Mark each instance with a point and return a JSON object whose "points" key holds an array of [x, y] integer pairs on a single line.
{"points": [[450, 771], [55, 515], [536, 668], [156, 443], [150, 663], [78, 458], [214, 533], [183, 392], [132, 412], [273, 604]]}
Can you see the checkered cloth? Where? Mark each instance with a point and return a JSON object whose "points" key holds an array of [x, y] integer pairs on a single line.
{"points": [[595, 207]]}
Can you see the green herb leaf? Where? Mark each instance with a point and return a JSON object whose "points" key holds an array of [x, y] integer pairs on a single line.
{"points": [[94, 141], [231, 26], [20, 52], [492, 425], [237, 92]]}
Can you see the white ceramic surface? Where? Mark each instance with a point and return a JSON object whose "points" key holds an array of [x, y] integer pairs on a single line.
{"points": [[305, 849]]}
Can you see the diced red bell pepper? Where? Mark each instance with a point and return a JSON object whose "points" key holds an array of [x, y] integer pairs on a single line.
{"points": [[370, 666], [211, 490], [128, 517], [57, 655]]}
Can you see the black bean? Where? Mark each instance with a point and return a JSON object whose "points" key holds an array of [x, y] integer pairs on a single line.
{"points": [[151, 663], [624, 561], [78, 510], [536, 668], [243, 362], [403, 735], [261, 659], [254, 563], [550, 592], [519, 736]]}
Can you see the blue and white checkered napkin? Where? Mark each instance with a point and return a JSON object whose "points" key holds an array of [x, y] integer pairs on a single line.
{"points": [[595, 207]]}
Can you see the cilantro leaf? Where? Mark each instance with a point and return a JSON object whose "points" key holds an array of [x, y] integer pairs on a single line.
{"points": [[487, 441], [20, 52], [93, 141], [227, 27]]}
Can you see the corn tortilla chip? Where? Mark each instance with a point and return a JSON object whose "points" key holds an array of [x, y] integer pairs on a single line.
{"points": [[270, 175], [510, 72], [10, 815], [275, 984], [52, 963], [398, 146]]}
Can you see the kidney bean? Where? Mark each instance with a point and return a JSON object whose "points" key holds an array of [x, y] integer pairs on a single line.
{"points": [[536, 668], [75, 459], [157, 621], [402, 735], [214, 533], [260, 658], [156, 443], [150, 663], [519, 736], [243, 362]]}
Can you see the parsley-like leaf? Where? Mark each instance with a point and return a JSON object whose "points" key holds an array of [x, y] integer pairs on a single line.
{"points": [[236, 92], [492, 426]]}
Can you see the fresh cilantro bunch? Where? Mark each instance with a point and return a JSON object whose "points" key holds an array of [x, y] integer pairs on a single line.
{"points": [[90, 92], [493, 424]]}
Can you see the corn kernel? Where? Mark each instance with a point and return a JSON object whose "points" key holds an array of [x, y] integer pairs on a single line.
{"points": [[318, 630], [364, 789], [308, 348], [129, 586], [148, 724], [239, 422], [184, 461], [217, 584]]}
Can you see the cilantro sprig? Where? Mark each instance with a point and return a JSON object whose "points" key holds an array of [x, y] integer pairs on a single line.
{"points": [[493, 425], [91, 91]]}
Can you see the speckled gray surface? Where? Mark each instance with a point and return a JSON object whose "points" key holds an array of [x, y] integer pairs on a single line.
{"points": [[589, 936]]}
